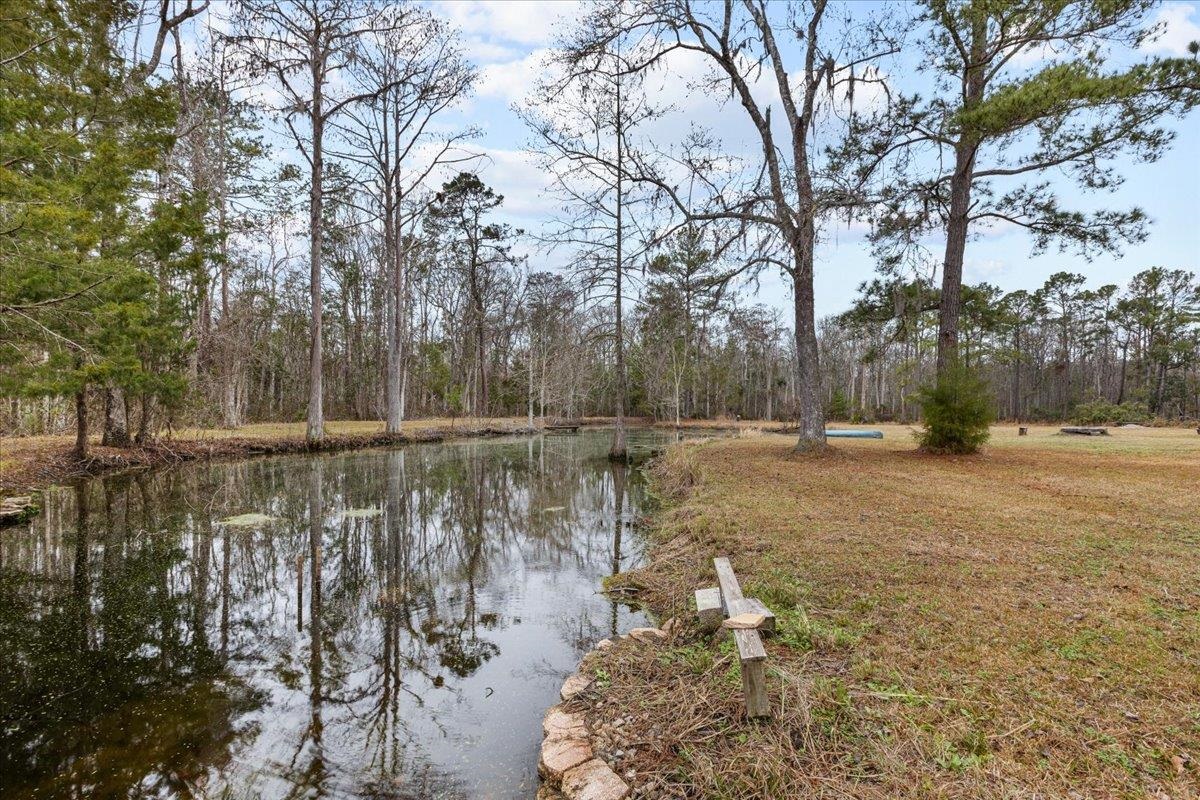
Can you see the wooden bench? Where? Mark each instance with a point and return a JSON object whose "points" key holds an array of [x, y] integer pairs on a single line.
{"points": [[713, 605]]}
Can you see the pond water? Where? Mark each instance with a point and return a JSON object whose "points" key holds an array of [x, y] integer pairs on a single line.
{"points": [[377, 624]]}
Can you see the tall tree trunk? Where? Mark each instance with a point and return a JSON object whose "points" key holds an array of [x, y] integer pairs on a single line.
{"points": [[81, 424], [950, 307], [396, 327], [1016, 395], [958, 221], [1160, 384], [808, 372], [529, 384], [229, 364], [116, 433], [316, 417], [617, 451], [1124, 365], [144, 426], [481, 357]]}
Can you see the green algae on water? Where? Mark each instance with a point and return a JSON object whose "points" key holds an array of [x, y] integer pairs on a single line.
{"points": [[248, 520], [363, 513]]}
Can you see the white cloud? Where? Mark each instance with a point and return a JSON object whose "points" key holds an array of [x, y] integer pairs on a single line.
{"points": [[482, 51], [986, 269], [514, 174], [527, 22], [1029, 56], [512, 81], [1178, 30]]}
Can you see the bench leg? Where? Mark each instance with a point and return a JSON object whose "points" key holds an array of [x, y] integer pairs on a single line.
{"points": [[754, 687]]}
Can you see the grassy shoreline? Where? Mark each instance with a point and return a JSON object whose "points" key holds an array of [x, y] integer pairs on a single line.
{"points": [[31, 463], [1024, 622]]}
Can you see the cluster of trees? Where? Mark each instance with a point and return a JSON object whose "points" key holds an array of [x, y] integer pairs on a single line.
{"points": [[1054, 353], [268, 216]]}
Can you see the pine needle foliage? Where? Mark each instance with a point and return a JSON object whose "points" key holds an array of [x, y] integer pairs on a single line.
{"points": [[958, 410]]}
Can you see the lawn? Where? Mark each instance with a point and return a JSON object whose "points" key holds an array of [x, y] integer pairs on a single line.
{"points": [[1021, 623]]}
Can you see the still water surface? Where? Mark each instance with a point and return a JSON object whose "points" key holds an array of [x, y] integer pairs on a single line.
{"points": [[395, 628]]}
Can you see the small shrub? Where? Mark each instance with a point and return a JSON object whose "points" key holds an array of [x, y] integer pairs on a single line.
{"points": [[838, 407], [1102, 412], [957, 410]]}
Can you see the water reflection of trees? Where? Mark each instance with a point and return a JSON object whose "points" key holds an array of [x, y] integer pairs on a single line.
{"points": [[185, 651]]}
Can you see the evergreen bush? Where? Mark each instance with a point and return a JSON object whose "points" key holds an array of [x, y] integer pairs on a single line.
{"points": [[958, 410], [1102, 412]]}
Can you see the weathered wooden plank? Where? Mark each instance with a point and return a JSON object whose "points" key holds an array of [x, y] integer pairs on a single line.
{"points": [[1085, 431], [754, 687], [754, 673], [708, 608], [731, 590], [752, 605], [749, 645], [751, 653], [750, 621]]}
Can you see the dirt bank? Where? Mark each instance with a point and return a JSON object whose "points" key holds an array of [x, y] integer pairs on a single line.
{"points": [[29, 464]]}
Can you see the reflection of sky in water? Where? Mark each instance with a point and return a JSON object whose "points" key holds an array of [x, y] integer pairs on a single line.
{"points": [[166, 654]]}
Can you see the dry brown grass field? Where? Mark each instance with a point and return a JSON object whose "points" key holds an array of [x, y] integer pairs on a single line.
{"points": [[1021, 623]]}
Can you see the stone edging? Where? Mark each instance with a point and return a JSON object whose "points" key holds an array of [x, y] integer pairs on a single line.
{"points": [[569, 765]]}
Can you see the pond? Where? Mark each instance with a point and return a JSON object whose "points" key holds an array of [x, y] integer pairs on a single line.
{"points": [[376, 624]]}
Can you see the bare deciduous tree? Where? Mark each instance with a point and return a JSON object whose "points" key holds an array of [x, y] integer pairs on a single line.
{"points": [[413, 71], [784, 191], [303, 45]]}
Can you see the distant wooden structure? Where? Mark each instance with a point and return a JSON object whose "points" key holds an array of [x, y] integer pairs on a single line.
{"points": [[562, 426], [746, 618], [1022, 431], [1078, 430]]}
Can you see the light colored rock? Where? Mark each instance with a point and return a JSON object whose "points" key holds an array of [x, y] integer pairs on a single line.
{"points": [[672, 627], [574, 685], [604, 644], [648, 635], [594, 780], [748, 621], [559, 724], [560, 755]]}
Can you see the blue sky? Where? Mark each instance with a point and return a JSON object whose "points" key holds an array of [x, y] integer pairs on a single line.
{"points": [[507, 38]]}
